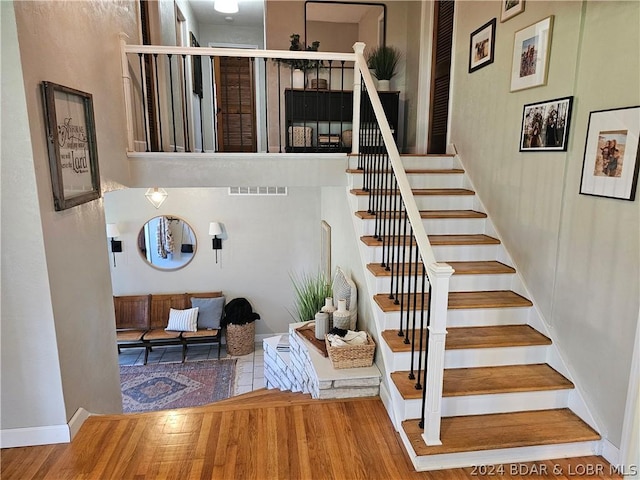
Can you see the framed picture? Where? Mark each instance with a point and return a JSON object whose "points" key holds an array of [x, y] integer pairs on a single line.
{"points": [[531, 48], [482, 46], [196, 68], [545, 125], [71, 141], [510, 8], [610, 165]]}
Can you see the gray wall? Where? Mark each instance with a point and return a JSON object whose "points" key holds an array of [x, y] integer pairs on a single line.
{"points": [[578, 254]]}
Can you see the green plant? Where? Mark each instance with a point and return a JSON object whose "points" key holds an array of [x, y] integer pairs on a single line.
{"points": [[310, 291], [298, 46], [383, 60]]}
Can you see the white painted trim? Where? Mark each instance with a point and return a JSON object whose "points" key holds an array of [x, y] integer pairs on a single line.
{"points": [[629, 446], [424, 77], [77, 420], [32, 436], [610, 452]]}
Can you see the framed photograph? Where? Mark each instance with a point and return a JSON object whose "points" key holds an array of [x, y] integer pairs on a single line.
{"points": [[71, 141], [610, 165], [482, 46], [510, 8], [531, 49], [545, 126]]}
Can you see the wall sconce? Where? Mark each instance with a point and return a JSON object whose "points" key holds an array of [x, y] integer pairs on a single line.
{"points": [[226, 6], [116, 245], [156, 196], [215, 229]]}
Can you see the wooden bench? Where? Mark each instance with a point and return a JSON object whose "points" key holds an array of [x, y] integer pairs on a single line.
{"points": [[141, 321]]}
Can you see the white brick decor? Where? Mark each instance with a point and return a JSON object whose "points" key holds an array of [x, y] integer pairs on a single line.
{"points": [[303, 369]]}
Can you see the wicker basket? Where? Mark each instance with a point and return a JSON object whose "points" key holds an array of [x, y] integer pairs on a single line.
{"points": [[241, 338], [351, 356]]}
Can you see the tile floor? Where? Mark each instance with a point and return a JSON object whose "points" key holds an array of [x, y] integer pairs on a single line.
{"points": [[249, 368]]}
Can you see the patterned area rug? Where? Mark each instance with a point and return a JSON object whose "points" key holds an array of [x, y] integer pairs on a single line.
{"points": [[166, 386]]}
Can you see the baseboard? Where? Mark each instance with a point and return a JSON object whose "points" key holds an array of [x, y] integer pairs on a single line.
{"points": [[77, 420], [32, 436]]}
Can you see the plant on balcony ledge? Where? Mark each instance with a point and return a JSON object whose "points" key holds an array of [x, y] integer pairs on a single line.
{"points": [[300, 63]]}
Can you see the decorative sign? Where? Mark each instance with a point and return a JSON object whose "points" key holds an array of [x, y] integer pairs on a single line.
{"points": [[71, 140]]}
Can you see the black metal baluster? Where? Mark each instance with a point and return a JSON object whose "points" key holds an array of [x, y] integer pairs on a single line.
{"points": [[266, 103], [173, 110], [421, 357], [155, 57], [409, 290], [318, 106], [415, 310], [187, 145], [328, 94], [385, 213], [395, 219], [402, 278], [226, 114], [240, 111], [144, 103], [214, 103]]}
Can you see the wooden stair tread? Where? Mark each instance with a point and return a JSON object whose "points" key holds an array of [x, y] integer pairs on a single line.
{"points": [[503, 430], [414, 171], [458, 300], [422, 191], [432, 214], [489, 267], [436, 240], [476, 337], [488, 380]]}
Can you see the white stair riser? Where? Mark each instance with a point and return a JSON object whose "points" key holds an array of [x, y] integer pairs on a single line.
{"points": [[430, 202], [486, 404], [516, 456], [446, 253], [417, 162], [458, 283], [473, 357], [416, 180], [476, 317], [436, 226]]}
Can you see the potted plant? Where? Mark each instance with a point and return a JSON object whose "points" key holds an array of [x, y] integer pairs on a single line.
{"points": [[239, 318], [311, 290], [301, 65], [383, 61]]}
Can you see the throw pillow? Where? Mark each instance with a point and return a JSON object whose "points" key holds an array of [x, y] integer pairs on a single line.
{"points": [[343, 288], [209, 311], [183, 320]]}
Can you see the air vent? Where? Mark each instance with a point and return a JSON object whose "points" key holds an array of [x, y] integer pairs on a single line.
{"points": [[257, 190]]}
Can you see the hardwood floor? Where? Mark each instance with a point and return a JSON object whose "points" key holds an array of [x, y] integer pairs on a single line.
{"points": [[261, 435]]}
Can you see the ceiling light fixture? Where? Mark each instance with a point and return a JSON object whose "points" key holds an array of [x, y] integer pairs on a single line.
{"points": [[226, 6], [156, 196]]}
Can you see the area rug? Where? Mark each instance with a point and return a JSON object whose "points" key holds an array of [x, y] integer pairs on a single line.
{"points": [[165, 386]]}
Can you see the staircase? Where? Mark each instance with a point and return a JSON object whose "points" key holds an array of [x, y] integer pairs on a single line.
{"points": [[506, 395]]}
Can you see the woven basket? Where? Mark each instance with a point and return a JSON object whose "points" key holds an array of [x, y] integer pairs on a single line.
{"points": [[351, 356], [241, 338]]}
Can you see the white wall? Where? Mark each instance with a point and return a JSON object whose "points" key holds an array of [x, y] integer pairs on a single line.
{"points": [[265, 239], [579, 255]]}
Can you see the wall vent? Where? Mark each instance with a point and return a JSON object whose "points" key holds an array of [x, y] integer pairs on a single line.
{"points": [[257, 190]]}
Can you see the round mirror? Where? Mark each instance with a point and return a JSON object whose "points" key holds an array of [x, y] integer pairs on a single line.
{"points": [[167, 243]]}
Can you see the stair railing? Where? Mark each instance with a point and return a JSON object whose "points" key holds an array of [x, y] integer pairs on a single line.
{"points": [[406, 251], [166, 111]]}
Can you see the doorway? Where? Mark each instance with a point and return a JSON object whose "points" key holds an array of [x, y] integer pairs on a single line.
{"points": [[440, 77], [235, 104]]}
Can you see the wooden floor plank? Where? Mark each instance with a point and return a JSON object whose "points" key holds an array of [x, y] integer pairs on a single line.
{"points": [[435, 240], [312, 440], [476, 337], [418, 191], [488, 267], [429, 214], [488, 380], [503, 430], [457, 300]]}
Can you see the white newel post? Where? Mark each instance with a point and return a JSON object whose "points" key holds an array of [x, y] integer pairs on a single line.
{"points": [[441, 272], [126, 85], [358, 48]]}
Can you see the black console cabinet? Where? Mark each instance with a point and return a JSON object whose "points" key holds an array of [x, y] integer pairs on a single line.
{"points": [[328, 113]]}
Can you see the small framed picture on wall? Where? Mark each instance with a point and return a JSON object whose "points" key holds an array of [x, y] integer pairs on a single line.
{"points": [[510, 8], [531, 47], [482, 46], [611, 152], [545, 126]]}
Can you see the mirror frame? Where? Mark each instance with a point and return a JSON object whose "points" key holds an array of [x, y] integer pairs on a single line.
{"points": [[334, 2], [159, 268]]}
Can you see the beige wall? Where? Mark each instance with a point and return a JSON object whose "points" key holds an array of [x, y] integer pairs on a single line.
{"points": [[82, 52], [577, 254]]}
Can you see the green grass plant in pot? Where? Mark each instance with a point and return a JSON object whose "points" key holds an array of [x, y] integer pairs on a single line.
{"points": [[310, 290], [383, 61]]}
